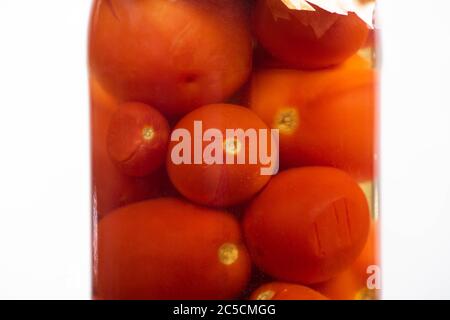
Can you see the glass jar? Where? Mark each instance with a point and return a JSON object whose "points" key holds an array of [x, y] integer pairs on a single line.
{"points": [[233, 149]]}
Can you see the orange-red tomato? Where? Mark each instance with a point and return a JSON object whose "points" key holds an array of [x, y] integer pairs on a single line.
{"points": [[344, 286], [170, 249], [307, 225], [220, 184], [173, 55], [325, 118], [285, 291], [307, 39], [137, 139], [352, 283], [347, 286], [369, 256], [111, 188]]}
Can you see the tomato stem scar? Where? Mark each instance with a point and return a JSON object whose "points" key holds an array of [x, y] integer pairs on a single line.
{"points": [[228, 254], [287, 120], [148, 133], [266, 295], [232, 146]]}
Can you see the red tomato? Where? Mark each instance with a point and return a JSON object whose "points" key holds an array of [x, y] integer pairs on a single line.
{"points": [[352, 283], [111, 188], [344, 286], [170, 249], [285, 291], [137, 139], [307, 39], [220, 184], [173, 55], [325, 118], [307, 225], [369, 256]]}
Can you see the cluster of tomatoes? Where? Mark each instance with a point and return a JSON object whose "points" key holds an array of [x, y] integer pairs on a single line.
{"points": [[166, 230]]}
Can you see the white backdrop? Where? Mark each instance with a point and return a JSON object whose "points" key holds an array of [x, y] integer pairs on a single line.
{"points": [[44, 162], [416, 148]]}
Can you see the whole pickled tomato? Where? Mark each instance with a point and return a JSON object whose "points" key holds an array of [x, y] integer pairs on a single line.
{"points": [[325, 118], [137, 140], [173, 55], [307, 39], [111, 187], [170, 249], [307, 225], [220, 183]]}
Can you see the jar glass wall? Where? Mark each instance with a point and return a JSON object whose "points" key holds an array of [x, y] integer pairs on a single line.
{"points": [[234, 149]]}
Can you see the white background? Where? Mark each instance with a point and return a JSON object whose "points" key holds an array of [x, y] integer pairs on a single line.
{"points": [[44, 158]]}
